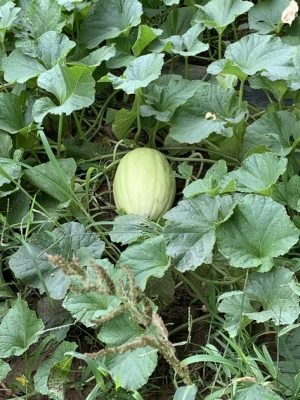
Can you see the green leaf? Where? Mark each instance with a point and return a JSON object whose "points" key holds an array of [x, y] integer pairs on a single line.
{"points": [[129, 228], [277, 88], [20, 68], [74, 87], [139, 73], [53, 47], [132, 369], [265, 17], [219, 14], [171, 2], [258, 231], [270, 293], [46, 178], [13, 117], [254, 53], [54, 372], [146, 259], [19, 329], [146, 35], [42, 16], [109, 20], [275, 131], [123, 120], [165, 95], [186, 393], [188, 44], [4, 370], [120, 330], [288, 193], [96, 57], [213, 183], [178, 21], [8, 16], [257, 392], [212, 109], [90, 306], [9, 169], [190, 234], [30, 262], [258, 173]]}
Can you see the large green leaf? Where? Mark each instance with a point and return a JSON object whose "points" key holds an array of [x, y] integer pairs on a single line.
{"points": [[132, 369], [219, 14], [265, 16], [46, 178], [13, 116], [190, 234], [19, 329], [51, 48], [42, 16], [165, 95], [74, 87], [109, 20], [120, 330], [30, 262], [186, 393], [212, 109], [275, 131], [139, 73], [258, 231], [145, 36], [258, 173], [266, 297], [54, 372], [254, 53], [146, 259], [19, 67]]}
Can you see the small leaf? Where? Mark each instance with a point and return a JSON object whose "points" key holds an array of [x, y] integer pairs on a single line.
{"points": [[186, 393], [188, 44], [4, 370], [74, 87], [96, 57], [53, 373], [19, 329], [8, 16], [145, 36], [288, 193], [258, 231], [146, 259], [139, 73], [109, 20], [257, 392], [12, 117]]}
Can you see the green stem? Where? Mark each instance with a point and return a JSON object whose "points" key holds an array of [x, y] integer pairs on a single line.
{"points": [[78, 125], [241, 93], [138, 115], [219, 46], [186, 68], [152, 136], [59, 135]]}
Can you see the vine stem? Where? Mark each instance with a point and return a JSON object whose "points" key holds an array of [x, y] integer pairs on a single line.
{"points": [[59, 135], [186, 68], [220, 45], [138, 115], [241, 93]]}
